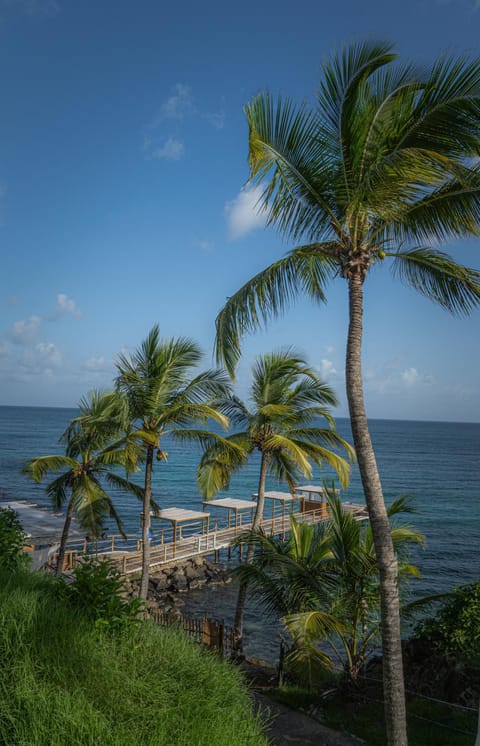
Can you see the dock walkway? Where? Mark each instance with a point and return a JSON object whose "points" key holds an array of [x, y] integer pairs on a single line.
{"points": [[198, 545]]}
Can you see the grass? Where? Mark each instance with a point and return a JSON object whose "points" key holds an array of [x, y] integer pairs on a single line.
{"points": [[62, 684], [428, 722]]}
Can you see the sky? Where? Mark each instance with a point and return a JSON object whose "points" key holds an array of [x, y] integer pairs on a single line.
{"points": [[123, 196]]}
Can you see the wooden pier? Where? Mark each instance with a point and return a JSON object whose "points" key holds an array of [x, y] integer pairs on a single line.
{"points": [[170, 550]]}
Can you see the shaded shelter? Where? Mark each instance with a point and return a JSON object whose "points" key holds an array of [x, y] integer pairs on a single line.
{"points": [[232, 504], [179, 517], [283, 499]]}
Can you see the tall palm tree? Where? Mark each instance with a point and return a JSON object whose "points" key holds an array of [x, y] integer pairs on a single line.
{"points": [[163, 397], [384, 166], [90, 454], [287, 400]]}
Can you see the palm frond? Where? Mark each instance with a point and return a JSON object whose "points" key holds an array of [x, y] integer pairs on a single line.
{"points": [[267, 295], [37, 468], [438, 277]]}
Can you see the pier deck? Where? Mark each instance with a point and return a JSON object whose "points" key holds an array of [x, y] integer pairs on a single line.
{"points": [[167, 552]]}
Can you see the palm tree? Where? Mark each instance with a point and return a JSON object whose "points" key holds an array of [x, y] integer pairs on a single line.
{"points": [[288, 398], [162, 398], [355, 601], [323, 583], [90, 454], [385, 166]]}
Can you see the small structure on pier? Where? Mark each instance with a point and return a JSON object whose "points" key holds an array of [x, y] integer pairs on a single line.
{"points": [[180, 517], [312, 491], [232, 504], [283, 499]]}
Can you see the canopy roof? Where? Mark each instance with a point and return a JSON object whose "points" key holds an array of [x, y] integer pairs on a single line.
{"points": [[314, 489], [179, 515], [232, 503], [283, 497]]}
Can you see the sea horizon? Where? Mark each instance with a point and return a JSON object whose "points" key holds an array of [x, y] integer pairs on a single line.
{"points": [[336, 417]]}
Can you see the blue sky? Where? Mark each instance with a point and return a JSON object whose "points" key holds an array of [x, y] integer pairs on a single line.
{"points": [[123, 153]]}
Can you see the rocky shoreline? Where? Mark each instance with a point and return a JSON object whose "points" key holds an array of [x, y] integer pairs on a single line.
{"points": [[166, 585]]}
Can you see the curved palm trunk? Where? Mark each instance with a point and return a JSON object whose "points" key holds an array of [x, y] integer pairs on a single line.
{"points": [[393, 684], [257, 522], [146, 525], [64, 539]]}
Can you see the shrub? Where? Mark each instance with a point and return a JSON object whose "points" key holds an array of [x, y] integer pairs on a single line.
{"points": [[12, 539], [98, 592], [456, 628]]}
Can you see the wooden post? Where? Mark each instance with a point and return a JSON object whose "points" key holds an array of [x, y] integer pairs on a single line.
{"points": [[283, 519], [112, 549], [124, 563], [174, 539]]}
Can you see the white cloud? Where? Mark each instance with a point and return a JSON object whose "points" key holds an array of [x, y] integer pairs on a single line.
{"points": [[204, 245], [329, 349], [327, 368], [178, 105], [410, 376], [244, 213], [5, 349], [217, 119], [41, 359], [171, 150], [94, 364], [66, 305], [25, 330]]}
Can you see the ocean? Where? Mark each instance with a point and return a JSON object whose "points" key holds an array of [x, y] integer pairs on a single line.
{"points": [[436, 463]]}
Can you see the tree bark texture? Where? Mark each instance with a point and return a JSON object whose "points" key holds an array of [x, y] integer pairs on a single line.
{"points": [[146, 525], [393, 682], [257, 522], [64, 539]]}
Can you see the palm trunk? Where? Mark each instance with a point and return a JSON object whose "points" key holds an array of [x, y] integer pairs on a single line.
{"points": [[257, 522], [64, 539], [146, 525], [393, 684]]}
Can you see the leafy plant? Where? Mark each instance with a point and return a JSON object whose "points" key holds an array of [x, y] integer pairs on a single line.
{"points": [[12, 539], [98, 592], [456, 627]]}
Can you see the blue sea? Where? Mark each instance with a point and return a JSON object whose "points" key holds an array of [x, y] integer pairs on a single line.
{"points": [[436, 463]]}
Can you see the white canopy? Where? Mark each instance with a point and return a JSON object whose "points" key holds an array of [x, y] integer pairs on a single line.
{"points": [[283, 497], [179, 515], [231, 503]]}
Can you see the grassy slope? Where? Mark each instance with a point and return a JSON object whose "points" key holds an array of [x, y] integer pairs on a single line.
{"points": [[61, 683]]}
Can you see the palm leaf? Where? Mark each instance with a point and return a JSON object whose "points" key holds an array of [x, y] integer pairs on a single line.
{"points": [[437, 276], [267, 295]]}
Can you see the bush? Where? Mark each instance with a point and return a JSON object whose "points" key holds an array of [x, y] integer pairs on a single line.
{"points": [[456, 628], [12, 539], [63, 683], [98, 592]]}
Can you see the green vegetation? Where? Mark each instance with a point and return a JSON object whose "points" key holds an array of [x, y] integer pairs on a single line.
{"points": [[384, 167], [323, 582], [98, 591], [429, 723], [90, 454], [287, 402], [163, 395], [456, 627], [12, 539], [65, 684]]}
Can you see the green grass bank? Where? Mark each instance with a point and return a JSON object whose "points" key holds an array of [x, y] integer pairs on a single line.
{"points": [[63, 683]]}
